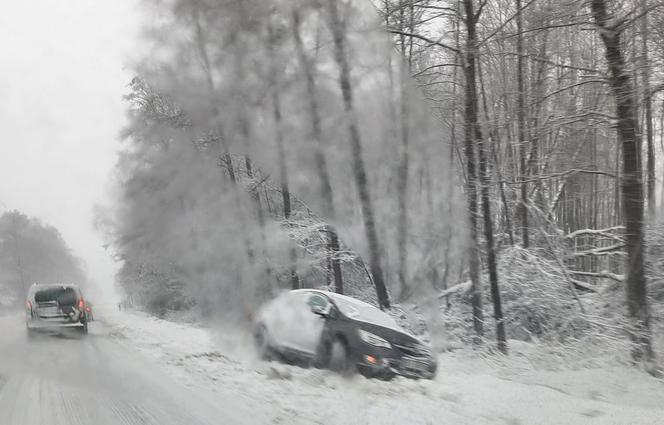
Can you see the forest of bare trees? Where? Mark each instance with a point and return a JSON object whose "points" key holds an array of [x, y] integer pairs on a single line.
{"points": [[498, 153], [566, 98]]}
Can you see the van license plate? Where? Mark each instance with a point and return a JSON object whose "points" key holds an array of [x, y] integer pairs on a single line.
{"points": [[49, 311]]}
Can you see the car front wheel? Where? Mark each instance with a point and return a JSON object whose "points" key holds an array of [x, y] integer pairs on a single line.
{"points": [[340, 358]]}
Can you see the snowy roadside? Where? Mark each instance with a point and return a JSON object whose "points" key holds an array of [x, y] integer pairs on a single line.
{"points": [[467, 390]]}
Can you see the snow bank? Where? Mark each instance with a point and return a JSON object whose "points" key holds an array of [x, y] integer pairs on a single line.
{"points": [[471, 388]]}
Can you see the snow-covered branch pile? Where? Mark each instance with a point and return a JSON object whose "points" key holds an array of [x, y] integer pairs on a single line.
{"points": [[540, 306], [538, 300]]}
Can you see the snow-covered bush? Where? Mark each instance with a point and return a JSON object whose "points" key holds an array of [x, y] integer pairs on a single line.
{"points": [[538, 299]]}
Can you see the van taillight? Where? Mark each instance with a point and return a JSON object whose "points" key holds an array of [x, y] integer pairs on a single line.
{"points": [[81, 304]]}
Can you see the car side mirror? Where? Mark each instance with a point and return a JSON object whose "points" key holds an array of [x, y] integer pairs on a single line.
{"points": [[322, 311]]}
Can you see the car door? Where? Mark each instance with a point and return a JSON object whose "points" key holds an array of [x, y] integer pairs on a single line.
{"points": [[291, 322], [309, 324], [284, 318], [278, 317]]}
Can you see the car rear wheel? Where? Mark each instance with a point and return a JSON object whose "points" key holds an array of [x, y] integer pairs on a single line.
{"points": [[339, 358]]}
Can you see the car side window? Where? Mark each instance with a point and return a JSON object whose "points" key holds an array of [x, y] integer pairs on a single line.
{"points": [[318, 302]]}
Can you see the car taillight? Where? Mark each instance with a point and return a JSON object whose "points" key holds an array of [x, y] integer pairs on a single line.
{"points": [[81, 304], [28, 305]]}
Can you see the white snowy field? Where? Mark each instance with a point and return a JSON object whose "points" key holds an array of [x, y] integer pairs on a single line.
{"points": [[468, 389]]}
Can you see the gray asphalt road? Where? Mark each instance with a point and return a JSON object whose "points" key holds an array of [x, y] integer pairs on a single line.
{"points": [[68, 379]]}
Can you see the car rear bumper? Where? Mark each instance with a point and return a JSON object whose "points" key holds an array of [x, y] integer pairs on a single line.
{"points": [[60, 321], [51, 325]]}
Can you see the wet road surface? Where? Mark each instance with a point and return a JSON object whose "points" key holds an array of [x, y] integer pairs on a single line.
{"points": [[73, 379]]}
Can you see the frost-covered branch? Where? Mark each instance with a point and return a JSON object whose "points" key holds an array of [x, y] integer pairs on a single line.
{"points": [[605, 274]]}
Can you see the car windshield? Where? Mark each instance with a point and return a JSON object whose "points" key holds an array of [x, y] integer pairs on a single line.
{"points": [[358, 310]]}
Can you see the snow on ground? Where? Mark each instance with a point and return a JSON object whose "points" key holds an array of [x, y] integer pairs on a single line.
{"points": [[469, 389]]}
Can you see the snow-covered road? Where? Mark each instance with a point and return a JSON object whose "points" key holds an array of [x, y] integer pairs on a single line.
{"points": [[135, 369], [70, 380]]}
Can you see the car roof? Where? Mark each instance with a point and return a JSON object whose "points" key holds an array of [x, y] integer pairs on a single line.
{"points": [[304, 290], [334, 295], [37, 287]]}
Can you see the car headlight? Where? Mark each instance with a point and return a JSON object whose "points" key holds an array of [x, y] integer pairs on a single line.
{"points": [[372, 339]]}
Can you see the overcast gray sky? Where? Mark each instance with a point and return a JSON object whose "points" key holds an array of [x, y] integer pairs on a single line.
{"points": [[63, 71]]}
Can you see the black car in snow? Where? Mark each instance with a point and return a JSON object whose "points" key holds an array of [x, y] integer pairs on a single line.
{"points": [[326, 329]]}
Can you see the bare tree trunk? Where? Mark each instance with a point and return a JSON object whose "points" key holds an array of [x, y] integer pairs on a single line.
{"points": [[474, 133], [494, 138], [319, 152], [537, 89], [661, 139], [225, 158], [314, 115], [281, 151], [521, 118], [471, 179], [393, 124], [244, 129], [632, 185], [333, 246], [647, 99], [337, 28], [403, 168]]}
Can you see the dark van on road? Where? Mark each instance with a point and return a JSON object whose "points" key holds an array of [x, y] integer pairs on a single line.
{"points": [[54, 306], [326, 329]]}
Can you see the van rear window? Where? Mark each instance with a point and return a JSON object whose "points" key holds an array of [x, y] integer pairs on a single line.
{"points": [[63, 295]]}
